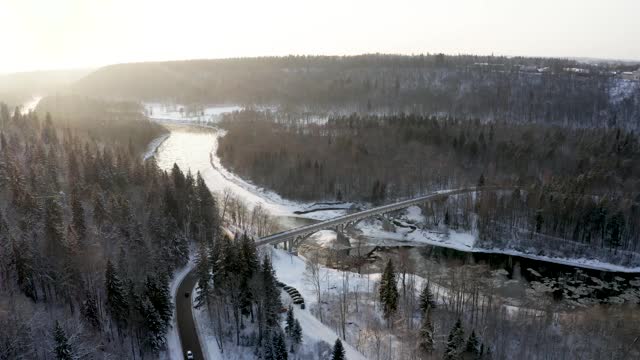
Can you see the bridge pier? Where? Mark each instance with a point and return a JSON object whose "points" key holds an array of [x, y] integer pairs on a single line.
{"points": [[341, 238]]}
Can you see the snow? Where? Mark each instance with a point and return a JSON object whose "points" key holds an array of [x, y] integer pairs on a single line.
{"points": [[172, 112], [324, 238], [414, 215], [174, 348], [446, 238], [153, 146], [210, 349], [289, 270]]}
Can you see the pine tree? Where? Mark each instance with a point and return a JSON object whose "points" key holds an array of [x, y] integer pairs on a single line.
{"points": [[267, 348], [117, 304], [427, 299], [99, 211], [279, 346], [62, 348], [23, 263], [389, 291], [338, 351], [272, 303], [90, 310], [203, 271], [289, 327], [473, 345], [296, 334], [481, 180], [455, 342], [426, 342], [250, 266], [77, 212], [54, 227], [155, 330], [157, 291]]}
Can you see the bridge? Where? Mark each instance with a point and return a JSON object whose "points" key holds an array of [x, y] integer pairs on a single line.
{"points": [[290, 237]]}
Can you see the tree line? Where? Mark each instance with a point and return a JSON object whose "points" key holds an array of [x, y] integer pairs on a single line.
{"points": [[466, 86]]}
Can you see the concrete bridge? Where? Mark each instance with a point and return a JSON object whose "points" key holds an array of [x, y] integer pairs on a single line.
{"points": [[293, 236]]}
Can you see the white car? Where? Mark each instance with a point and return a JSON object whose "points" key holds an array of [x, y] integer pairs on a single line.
{"points": [[190, 355]]}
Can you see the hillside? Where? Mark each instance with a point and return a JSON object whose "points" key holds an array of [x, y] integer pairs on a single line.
{"points": [[17, 88], [523, 90]]}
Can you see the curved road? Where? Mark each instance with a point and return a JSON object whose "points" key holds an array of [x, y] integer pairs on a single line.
{"points": [[186, 326]]}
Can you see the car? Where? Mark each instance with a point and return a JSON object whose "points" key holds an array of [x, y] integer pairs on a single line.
{"points": [[186, 294], [190, 355]]}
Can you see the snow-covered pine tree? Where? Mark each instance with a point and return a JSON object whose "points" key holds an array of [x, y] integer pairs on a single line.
{"points": [[117, 304], [62, 348], [290, 322], [90, 310], [250, 265], [203, 271], [273, 304], [157, 291], [389, 291], [426, 342], [77, 213], [455, 342], [154, 329], [279, 346], [473, 345], [427, 300], [296, 335]]}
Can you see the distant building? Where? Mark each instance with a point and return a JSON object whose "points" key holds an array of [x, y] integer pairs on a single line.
{"points": [[631, 75], [578, 71]]}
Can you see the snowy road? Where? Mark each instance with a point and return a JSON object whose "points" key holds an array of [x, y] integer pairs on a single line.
{"points": [[184, 313]]}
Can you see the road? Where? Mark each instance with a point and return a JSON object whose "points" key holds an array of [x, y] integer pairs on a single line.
{"points": [[186, 326]]}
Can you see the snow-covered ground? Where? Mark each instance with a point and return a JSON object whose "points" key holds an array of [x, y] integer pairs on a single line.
{"points": [[153, 146], [177, 112], [324, 238], [289, 270], [174, 348]]}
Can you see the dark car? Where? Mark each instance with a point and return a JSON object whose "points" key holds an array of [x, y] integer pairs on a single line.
{"points": [[186, 294]]}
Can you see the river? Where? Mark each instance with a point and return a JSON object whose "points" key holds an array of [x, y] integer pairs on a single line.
{"points": [[517, 279]]}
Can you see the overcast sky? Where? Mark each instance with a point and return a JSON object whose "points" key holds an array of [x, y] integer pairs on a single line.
{"points": [[49, 34]]}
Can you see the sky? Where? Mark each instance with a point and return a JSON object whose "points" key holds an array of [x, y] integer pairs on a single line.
{"points": [[53, 34]]}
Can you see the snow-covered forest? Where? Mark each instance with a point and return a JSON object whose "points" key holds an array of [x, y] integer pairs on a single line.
{"points": [[575, 184], [89, 236], [489, 88]]}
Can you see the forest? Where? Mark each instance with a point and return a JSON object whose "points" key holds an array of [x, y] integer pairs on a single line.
{"points": [[89, 238], [514, 89], [577, 184]]}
